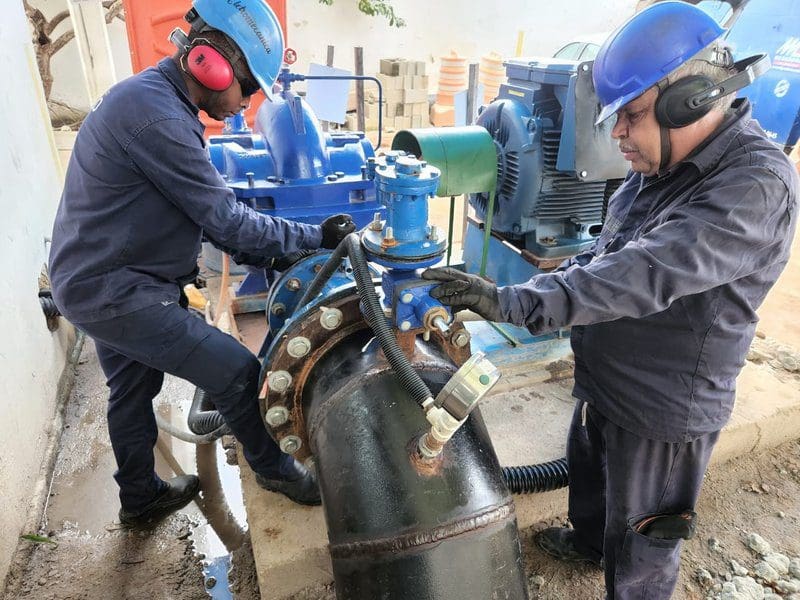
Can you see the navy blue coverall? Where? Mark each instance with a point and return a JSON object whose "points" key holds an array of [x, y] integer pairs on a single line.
{"points": [[662, 311], [140, 194]]}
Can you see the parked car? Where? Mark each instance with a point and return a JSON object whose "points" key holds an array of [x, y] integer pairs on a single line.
{"points": [[582, 49]]}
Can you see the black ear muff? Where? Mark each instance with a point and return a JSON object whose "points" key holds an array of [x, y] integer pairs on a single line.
{"points": [[674, 108]]}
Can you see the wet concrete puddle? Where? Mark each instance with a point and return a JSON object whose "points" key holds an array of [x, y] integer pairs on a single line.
{"points": [[87, 496]]}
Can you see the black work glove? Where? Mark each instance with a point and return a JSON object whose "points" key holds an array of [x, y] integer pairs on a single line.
{"points": [[286, 261], [251, 260], [335, 229], [464, 291]]}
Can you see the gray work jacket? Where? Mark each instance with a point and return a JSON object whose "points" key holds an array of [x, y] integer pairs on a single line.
{"points": [[663, 308]]}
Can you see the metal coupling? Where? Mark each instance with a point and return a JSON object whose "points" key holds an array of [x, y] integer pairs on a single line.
{"points": [[458, 398]]}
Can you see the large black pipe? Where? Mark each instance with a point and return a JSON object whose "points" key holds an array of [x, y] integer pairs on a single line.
{"points": [[526, 479], [401, 528]]}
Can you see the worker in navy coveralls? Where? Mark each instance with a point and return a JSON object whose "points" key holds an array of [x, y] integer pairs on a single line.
{"points": [[139, 196], [663, 308]]}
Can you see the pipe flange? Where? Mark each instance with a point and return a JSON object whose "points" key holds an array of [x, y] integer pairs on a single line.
{"points": [[302, 343]]}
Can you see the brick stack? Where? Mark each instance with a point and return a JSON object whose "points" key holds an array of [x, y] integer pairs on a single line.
{"points": [[405, 95], [452, 80]]}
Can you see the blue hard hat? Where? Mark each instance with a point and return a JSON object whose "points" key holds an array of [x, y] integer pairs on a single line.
{"points": [[647, 48], [254, 28]]}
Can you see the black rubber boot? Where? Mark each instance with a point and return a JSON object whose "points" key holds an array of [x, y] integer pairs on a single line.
{"points": [[180, 491], [299, 485], [559, 542]]}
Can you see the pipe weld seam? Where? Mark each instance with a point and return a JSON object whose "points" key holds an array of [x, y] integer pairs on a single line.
{"points": [[435, 535]]}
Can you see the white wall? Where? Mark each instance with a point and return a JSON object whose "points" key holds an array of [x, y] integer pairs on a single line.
{"points": [[68, 82], [434, 27], [31, 358]]}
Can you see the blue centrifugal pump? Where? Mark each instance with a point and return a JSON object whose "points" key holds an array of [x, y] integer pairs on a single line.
{"points": [[287, 166]]}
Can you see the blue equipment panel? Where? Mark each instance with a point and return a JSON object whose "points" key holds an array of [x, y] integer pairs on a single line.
{"points": [[772, 26]]}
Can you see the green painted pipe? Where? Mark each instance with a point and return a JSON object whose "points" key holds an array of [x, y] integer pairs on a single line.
{"points": [[466, 156]]}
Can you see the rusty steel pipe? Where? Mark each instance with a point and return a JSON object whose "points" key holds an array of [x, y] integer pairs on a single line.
{"points": [[401, 527]]}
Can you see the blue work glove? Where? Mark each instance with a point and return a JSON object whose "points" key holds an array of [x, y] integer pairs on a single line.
{"points": [[335, 229], [462, 291]]}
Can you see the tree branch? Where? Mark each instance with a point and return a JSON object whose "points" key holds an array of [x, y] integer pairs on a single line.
{"points": [[116, 10], [64, 39], [56, 21]]}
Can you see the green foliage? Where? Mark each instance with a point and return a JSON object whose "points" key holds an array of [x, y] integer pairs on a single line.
{"points": [[38, 539], [376, 7]]}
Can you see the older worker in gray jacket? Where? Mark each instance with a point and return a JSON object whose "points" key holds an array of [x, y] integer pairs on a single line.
{"points": [[663, 308]]}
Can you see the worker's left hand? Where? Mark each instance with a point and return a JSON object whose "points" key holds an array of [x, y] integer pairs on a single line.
{"points": [[464, 291], [335, 229]]}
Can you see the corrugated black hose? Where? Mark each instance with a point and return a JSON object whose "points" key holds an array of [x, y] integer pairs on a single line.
{"points": [[525, 479], [49, 307], [351, 245], [204, 419], [531, 479]]}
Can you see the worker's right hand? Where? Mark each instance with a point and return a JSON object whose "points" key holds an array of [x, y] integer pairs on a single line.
{"points": [[335, 229]]}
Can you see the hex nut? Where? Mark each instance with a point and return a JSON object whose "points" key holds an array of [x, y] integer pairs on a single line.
{"points": [[277, 416], [290, 444], [460, 338], [293, 284], [298, 347], [405, 326], [331, 318], [279, 381], [278, 309]]}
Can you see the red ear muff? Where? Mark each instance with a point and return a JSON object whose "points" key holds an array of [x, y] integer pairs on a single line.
{"points": [[209, 68]]}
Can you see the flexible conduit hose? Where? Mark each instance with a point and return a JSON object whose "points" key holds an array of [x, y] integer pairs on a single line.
{"points": [[182, 435], [525, 479], [48, 305], [321, 278], [203, 418], [531, 479], [373, 312]]}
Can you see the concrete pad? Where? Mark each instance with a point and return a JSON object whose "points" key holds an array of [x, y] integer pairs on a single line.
{"points": [[528, 423], [290, 542]]}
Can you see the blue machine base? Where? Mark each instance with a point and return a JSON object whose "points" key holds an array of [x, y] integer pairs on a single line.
{"points": [[522, 348], [504, 265]]}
